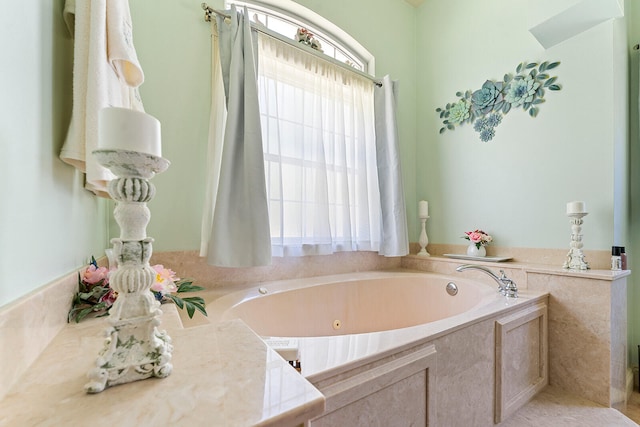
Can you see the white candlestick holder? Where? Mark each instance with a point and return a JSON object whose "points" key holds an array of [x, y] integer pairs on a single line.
{"points": [[424, 239], [134, 348], [575, 257]]}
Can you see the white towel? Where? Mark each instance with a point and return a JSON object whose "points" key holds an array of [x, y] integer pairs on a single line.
{"points": [[101, 28], [120, 50]]}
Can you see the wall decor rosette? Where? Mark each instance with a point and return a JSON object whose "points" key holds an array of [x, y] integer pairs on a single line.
{"points": [[486, 106]]}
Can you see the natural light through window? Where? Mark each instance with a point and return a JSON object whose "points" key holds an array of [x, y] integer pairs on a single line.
{"points": [[318, 139], [287, 26]]}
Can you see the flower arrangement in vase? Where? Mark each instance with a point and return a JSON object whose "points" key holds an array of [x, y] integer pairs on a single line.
{"points": [[96, 296], [305, 37], [479, 239]]}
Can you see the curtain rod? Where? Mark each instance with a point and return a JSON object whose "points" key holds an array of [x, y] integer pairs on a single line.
{"points": [[209, 11], [208, 14]]}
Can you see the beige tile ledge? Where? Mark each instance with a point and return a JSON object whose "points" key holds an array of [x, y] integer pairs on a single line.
{"points": [[30, 324], [526, 267], [597, 259], [606, 275], [553, 407], [223, 374], [190, 264]]}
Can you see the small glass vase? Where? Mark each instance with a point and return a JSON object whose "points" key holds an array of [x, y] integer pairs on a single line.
{"points": [[472, 250]]}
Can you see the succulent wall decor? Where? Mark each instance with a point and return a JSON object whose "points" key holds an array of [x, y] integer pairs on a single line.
{"points": [[486, 106]]}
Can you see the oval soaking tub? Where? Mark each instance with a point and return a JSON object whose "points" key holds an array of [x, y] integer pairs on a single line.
{"points": [[396, 348], [350, 304]]}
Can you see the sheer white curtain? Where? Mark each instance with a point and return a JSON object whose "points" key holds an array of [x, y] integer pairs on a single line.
{"points": [[217, 119], [320, 153]]}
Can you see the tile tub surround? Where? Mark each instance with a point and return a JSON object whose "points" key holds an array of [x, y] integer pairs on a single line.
{"points": [[223, 375], [32, 322], [587, 335], [28, 325], [31, 329], [461, 393], [190, 264], [60, 400], [356, 371], [527, 263], [587, 322], [598, 260]]}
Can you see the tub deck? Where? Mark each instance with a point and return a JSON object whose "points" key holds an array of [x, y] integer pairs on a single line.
{"points": [[346, 350], [551, 407], [223, 375], [50, 392]]}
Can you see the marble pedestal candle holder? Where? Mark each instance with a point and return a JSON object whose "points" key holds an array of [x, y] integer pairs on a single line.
{"points": [[423, 239], [134, 348], [575, 257]]}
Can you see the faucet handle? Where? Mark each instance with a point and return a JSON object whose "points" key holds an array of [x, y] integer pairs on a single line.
{"points": [[511, 290], [508, 288]]}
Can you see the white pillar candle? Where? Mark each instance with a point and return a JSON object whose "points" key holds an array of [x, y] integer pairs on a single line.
{"points": [[575, 208], [126, 129], [423, 209]]}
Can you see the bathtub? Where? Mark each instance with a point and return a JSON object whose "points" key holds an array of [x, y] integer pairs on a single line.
{"points": [[396, 346], [342, 319], [351, 304]]}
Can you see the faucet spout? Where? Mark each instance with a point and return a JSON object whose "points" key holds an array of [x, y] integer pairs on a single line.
{"points": [[506, 286]]}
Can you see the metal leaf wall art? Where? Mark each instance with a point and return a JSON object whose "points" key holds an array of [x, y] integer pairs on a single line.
{"points": [[485, 107]]}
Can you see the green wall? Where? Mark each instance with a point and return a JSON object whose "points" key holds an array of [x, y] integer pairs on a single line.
{"points": [[516, 186], [173, 44], [49, 225]]}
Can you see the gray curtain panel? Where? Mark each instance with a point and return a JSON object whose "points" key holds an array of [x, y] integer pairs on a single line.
{"points": [[240, 234]]}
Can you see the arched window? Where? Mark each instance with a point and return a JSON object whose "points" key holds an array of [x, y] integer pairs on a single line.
{"points": [[286, 18], [319, 142]]}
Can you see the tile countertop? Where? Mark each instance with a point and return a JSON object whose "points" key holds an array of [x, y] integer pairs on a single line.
{"points": [[529, 267], [261, 389]]}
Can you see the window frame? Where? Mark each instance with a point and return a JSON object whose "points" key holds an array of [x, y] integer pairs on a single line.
{"points": [[292, 12]]}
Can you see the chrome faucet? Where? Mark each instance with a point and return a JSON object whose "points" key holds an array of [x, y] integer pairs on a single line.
{"points": [[506, 286]]}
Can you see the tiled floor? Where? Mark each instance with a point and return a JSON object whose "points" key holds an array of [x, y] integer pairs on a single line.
{"points": [[633, 407], [555, 408]]}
